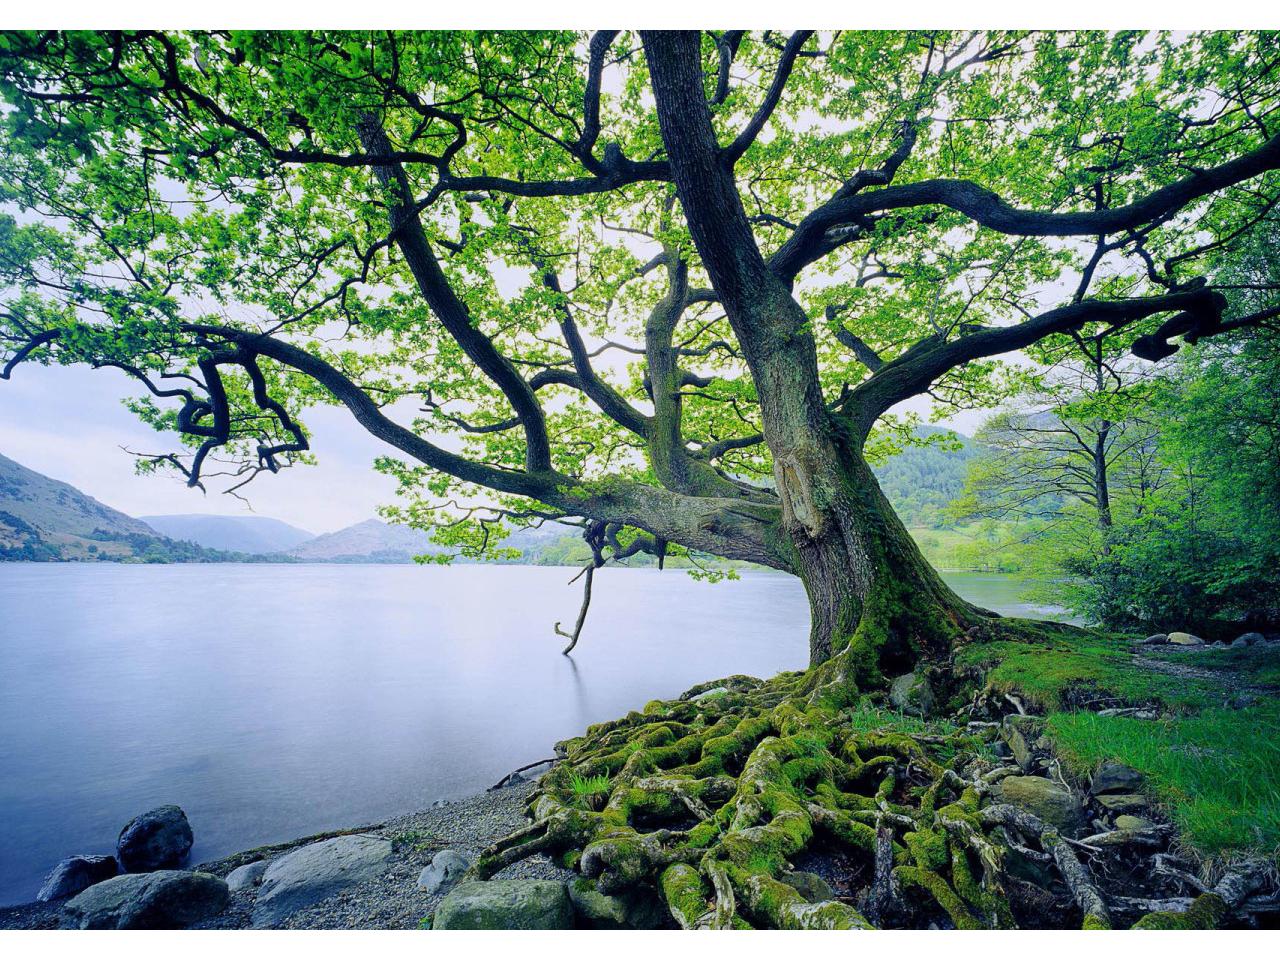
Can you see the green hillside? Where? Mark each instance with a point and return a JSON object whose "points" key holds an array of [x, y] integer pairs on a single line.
{"points": [[46, 519]]}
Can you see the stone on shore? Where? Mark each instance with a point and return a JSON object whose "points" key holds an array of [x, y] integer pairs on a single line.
{"points": [[505, 905], [76, 874], [1051, 802], [160, 900], [317, 871], [1185, 639], [1122, 802], [602, 911], [912, 694], [250, 875], [1249, 639], [1116, 778], [159, 839], [1156, 639], [446, 869]]}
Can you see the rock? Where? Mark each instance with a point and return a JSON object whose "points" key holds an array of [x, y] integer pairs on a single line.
{"points": [[505, 905], [912, 694], [1127, 822], [1022, 734], [1185, 639], [1051, 802], [158, 839], [447, 868], [75, 874], [809, 885], [160, 900], [250, 875], [1156, 639], [1249, 639], [1115, 778], [1122, 802], [315, 872], [601, 911], [1239, 642]]}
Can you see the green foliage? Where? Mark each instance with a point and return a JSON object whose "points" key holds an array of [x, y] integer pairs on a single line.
{"points": [[590, 791]]}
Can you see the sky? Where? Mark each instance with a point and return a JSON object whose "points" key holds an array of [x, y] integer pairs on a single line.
{"points": [[70, 423]]}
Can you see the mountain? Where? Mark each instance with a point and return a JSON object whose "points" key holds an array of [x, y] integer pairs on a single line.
{"points": [[239, 534], [371, 541], [46, 519], [920, 481]]}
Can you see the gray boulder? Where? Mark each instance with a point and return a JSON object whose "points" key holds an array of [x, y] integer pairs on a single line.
{"points": [[161, 900], [250, 875], [75, 874], [912, 694], [317, 871], [157, 840], [447, 868], [1249, 639], [505, 905], [1050, 801], [1185, 639], [1115, 778], [1156, 639], [1122, 802]]}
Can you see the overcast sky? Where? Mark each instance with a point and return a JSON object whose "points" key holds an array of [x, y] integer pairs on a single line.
{"points": [[70, 424]]}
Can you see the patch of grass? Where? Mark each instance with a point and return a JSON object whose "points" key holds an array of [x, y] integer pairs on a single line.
{"points": [[1055, 668], [592, 792], [1256, 665], [867, 717], [1218, 772]]}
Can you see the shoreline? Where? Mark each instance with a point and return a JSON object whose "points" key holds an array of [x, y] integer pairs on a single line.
{"points": [[392, 901]]}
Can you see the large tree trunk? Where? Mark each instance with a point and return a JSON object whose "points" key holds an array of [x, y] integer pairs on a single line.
{"points": [[875, 601]]}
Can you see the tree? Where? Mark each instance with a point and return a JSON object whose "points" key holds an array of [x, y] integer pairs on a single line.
{"points": [[787, 237]]}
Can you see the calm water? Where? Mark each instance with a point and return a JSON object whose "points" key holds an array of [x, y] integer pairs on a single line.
{"points": [[275, 701]]}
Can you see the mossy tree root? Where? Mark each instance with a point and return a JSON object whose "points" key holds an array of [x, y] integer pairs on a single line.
{"points": [[712, 797]]}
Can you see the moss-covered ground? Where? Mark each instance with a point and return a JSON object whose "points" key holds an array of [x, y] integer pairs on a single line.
{"points": [[709, 801]]}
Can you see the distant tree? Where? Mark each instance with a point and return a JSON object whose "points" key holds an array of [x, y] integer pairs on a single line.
{"points": [[784, 238]]}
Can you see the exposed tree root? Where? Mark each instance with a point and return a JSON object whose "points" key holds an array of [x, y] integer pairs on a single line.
{"points": [[713, 797]]}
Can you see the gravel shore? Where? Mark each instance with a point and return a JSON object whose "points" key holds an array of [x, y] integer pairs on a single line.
{"points": [[393, 901]]}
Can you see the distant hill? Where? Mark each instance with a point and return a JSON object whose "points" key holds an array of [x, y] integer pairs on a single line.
{"points": [[46, 519], [920, 481], [370, 541], [239, 534]]}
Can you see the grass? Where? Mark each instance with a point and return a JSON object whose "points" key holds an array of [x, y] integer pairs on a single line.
{"points": [[1256, 665], [1054, 668], [1218, 771], [592, 792]]}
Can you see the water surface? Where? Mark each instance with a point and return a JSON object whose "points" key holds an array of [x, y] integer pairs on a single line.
{"points": [[276, 701]]}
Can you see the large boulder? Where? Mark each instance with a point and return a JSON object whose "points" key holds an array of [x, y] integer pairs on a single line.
{"points": [[446, 869], [159, 839], [161, 900], [1122, 802], [1185, 639], [243, 878], [75, 874], [505, 905], [317, 871], [1156, 639], [1051, 802], [1115, 778], [912, 694], [1249, 639]]}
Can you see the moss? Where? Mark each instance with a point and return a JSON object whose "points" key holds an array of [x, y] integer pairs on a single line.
{"points": [[1205, 913], [928, 848], [685, 893], [927, 881]]}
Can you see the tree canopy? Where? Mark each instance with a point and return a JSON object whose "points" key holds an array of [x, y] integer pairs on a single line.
{"points": [[667, 283]]}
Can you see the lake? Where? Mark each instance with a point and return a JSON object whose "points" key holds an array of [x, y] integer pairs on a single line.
{"points": [[274, 701]]}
